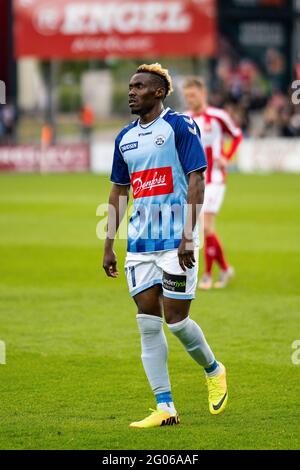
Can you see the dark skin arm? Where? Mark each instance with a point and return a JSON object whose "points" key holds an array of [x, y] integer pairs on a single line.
{"points": [[118, 202], [195, 201]]}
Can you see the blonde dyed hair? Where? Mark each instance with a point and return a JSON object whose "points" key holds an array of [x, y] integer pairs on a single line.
{"points": [[157, 69]]}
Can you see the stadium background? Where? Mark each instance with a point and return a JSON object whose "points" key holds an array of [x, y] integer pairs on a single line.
{"points": [[72, 377]]}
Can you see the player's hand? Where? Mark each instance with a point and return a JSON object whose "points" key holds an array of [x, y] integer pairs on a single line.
{"points": [[186, 254], [110, 264]]}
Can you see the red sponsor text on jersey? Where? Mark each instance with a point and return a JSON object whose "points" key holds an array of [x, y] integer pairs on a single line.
{"points": [[154, 182]]}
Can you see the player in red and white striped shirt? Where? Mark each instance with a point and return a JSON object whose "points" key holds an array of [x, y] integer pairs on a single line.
{"points": [[214, 124]]}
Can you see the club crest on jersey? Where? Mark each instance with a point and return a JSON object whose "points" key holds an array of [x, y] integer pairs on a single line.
{"points": [[154, 182], [130, 146], [160, 140]]}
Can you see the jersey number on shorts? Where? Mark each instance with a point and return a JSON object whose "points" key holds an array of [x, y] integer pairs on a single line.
{"points": [[131, 271]]}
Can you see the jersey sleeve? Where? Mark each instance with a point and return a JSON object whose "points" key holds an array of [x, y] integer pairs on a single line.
{"points": [[189, 147], [229, 126], [119, 173]]}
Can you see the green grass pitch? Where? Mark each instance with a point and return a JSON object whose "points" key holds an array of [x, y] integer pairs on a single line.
{"points": [[73, 378]]}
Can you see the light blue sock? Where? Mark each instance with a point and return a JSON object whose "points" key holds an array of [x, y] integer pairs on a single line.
{"points": [[193, 339], [154, 352]]}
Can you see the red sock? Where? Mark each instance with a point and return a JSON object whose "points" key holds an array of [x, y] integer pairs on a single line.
{"points": [[210, 252], [220, 257]]}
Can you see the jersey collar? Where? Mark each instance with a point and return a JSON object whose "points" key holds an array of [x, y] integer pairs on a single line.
{"points": [[162, 114]]}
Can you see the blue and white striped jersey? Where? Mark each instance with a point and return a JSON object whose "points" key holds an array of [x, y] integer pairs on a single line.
{"points": [[156, 159]]}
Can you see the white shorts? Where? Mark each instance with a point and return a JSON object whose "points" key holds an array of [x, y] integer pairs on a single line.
{"points": [[145, 270], [213, 198]]}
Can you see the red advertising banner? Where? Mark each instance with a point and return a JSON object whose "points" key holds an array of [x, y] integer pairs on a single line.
{"points": [[56, 159], [115, 28]]}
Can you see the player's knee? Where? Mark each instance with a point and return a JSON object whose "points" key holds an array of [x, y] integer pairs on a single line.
{"points": [[176, 328], [149, 324], [175, 317], [176, 311]]}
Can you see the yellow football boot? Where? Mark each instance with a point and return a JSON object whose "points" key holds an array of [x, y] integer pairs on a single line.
{"points": [[217, 392], [156, 419]]}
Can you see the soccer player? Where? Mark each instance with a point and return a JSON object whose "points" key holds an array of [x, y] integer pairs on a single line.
{"points": [[214, 125], [160, 157]]}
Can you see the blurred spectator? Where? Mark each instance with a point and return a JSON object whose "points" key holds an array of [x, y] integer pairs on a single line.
{"points": [[87, 121], [7, 123], [271, 126], [239, 114], [280, 118], [294, 122], [47, 135], [251, 96]]}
